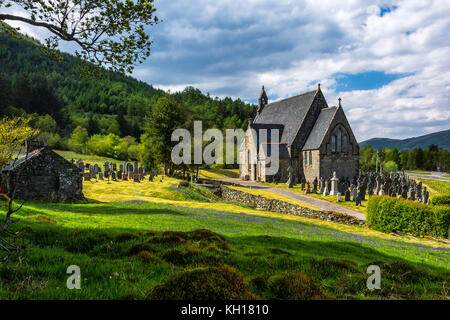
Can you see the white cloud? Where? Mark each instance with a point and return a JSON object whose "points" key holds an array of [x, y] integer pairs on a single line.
{"points": [[231, 48]]}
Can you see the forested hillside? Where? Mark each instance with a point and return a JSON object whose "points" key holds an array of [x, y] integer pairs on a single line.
{"points": [[66, 106]]}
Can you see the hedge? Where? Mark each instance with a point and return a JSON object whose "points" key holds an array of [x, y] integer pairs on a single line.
{"points": [[388, 214], [441, 199]]}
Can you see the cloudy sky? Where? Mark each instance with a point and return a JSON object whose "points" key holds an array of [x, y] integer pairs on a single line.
{"points": [[389, 61]]}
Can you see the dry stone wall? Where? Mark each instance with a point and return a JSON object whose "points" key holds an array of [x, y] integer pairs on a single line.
{"points": [[274, 205]]}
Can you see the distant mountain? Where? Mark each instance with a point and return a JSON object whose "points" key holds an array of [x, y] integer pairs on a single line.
{"points": [[441, 138]]}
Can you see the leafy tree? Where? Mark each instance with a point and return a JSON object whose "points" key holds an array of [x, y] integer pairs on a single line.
{"points": [[108, 33], [78, 139], [390, 166], [166, 116], [13, 134]]}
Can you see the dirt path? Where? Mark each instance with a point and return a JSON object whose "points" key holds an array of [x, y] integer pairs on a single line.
{"points": [[428, 176], [319, 204]]}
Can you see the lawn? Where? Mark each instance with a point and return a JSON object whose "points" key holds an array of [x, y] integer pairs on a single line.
{"points": [[436, 186], [132, 240]]}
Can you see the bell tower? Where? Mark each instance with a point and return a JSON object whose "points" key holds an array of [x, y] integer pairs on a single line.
{"points": [[262, 100]]}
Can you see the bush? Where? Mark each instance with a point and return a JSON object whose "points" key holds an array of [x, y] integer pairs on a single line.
{"points": [[204, 283], [441, 199], [294, 285], [398, 215]]}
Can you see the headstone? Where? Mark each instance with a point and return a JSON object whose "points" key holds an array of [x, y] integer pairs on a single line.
{"points": [[113, 176], [96, 168], [100, 176], [325, 189], [124, 177], [87, 176], [314, 189], [426, 195], [321, 185], [358, 199], [121, 167], [290, 182], [114, 166], [354, 194], [106, 166], [136, 177], [119, 174], [136, 167], [347, 195], [334, 185], [338, 197]]}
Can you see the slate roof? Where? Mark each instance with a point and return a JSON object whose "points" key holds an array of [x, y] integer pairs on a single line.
{"points": [[15, 164], [288, 112], [282, 149], [320, 128]]}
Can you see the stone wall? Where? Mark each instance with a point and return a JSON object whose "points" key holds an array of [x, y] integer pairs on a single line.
{"points": [[279, 206], [312, 171]]}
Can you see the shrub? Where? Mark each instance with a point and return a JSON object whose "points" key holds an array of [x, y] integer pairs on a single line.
{"points": [[204, 283], [149, 257], [441, 199], [398, 215], [294, 285]]}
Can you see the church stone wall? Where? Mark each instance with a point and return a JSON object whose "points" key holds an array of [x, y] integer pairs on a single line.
{"points": [[312, 171]]}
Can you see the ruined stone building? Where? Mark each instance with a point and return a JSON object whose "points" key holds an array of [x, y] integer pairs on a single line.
{"points": [[42, 175], [314, 140]]}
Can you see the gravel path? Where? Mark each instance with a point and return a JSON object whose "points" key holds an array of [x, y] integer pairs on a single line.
{"points": [[318, 203]]}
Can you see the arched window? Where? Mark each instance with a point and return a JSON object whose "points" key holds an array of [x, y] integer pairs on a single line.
{"points": [[344, 144], [333, 144], [306, 158], [310, 158], [339, 141]]}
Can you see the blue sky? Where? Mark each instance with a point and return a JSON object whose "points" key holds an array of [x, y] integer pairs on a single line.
{"points": [[387, 60]]}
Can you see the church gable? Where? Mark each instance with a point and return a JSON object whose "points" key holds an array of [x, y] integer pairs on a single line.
{"points": [[339, 137]]}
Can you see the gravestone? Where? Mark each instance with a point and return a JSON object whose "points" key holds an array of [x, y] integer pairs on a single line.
{"points": [[426, 195], [136, 177], [314, 189], [136, 167], [321, 185], [325, 189], [113, 176], [338, 197], [125, 177], [100, 176], [347, 195], [106, 166], [334, 184], [354, 194], [114, 167], [121, 167], [87, 176]]}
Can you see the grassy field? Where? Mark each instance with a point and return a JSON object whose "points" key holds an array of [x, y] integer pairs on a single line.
{"points": [[436, 186], [135, 240], [166, 240]]}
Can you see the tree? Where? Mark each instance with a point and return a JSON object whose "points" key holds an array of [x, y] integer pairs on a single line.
{"points": [[166, 116], [109, 33], [13, 134], [390, 166], [78, 139]]}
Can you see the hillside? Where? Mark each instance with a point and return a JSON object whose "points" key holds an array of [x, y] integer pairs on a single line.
{"points": [[31, 82], [441, 138]]}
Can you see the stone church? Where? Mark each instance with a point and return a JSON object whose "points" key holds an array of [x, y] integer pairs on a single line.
{"points": [[314, 140]]}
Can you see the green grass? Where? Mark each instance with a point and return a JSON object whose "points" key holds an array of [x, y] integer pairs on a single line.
{"points": [[436, 186], [86, 157], [101, 238], [137, 241]]}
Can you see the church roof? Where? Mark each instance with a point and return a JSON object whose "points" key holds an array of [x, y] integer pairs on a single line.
{"points": [[320, 128], [289, 112]]}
